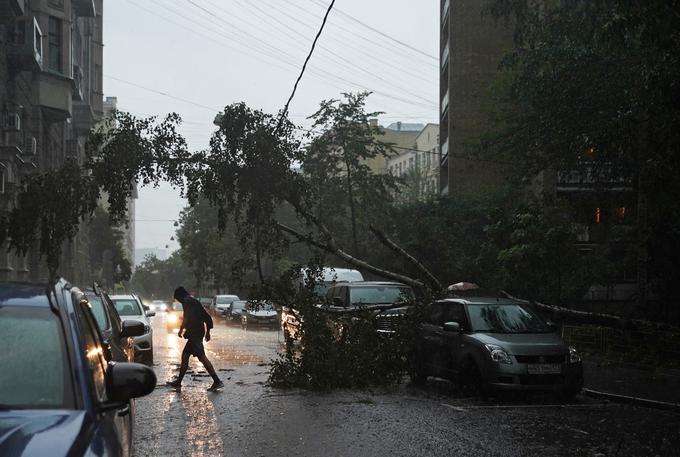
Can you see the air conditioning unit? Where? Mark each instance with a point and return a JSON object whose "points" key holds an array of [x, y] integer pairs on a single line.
{"points": [[11, 122], [31, 146]]}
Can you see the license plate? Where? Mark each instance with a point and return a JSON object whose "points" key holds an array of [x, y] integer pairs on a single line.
{"points": [[544, 368]]}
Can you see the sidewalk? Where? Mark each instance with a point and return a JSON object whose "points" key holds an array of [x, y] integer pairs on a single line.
{"points": [[644, 382]]}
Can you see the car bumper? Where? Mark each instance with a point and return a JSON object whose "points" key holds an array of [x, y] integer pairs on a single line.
{"points": [[273, 322], [517, 377], [143, 345]]}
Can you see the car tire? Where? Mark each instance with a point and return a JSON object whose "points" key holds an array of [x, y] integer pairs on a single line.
{"points": [[148, 359], [567, 395], [472, 382]]}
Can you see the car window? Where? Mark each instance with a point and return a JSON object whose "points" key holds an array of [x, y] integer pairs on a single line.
{"points": [[455, 313], [35, 368], [99, 312], [226, 299], [374, 295], [238, 305], [127, 306], [505, 318], [437, 314], [91, 345]]}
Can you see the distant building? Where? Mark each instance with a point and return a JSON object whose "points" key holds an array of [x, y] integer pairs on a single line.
{"points": [[51, 58], [418, 165], [142, 253], [401, 135]]}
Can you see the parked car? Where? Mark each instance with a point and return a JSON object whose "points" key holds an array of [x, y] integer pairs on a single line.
{"points": [[236, 311], [346, 298], [116, 333], [490, 344], [222, 304], [206, 302], [59, 394], [159, 305], [130, 308], [173, 320], [259, 313]]}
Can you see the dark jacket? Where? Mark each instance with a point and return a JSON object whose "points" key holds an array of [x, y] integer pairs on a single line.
{"points": [[194, 318]]}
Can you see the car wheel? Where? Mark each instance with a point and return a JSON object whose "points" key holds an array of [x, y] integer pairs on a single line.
{"points": [[472, 381], [567, 395], [148, 359]]}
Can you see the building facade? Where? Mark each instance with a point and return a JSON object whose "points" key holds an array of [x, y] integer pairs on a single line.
{"points": [[472, 44], [418, 165], [51, 60]]}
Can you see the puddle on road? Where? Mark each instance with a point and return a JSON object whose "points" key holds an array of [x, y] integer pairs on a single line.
{"points": [[237, 357]]}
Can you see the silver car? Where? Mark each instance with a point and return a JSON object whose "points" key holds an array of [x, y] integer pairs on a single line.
{"points": [[130, 307], [490, 344]]}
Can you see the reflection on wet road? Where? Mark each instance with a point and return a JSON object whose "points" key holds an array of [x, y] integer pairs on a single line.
{"points": [[248, 418]]}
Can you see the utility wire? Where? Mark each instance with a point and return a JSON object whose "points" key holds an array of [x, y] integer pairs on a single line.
{"points": [[381, 33], [304, 66]]}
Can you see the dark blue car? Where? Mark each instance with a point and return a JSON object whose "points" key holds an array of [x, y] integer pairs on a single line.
{"points": [[59, 395]]}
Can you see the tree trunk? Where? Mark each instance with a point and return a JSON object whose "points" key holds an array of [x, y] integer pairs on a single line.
{"points": [[352, 212], [358, 263], [434, 282]]}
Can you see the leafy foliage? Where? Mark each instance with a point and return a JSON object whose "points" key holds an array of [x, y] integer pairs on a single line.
{"points": [[156, 279], [108, 259]]}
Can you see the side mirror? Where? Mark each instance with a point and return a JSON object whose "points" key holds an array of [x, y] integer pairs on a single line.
{"points": [[453, 327], [132, 328], [125, 381], [150, 313], [146, 307]]}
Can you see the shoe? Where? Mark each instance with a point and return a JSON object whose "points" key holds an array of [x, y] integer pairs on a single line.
{"points": [[216, 385], [177, 384]]}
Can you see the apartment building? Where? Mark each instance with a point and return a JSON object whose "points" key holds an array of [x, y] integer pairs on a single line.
{"points": [[51, 58], [472, 44], [418, 164]]}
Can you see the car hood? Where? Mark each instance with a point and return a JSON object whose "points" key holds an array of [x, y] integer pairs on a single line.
{"points": [[39, 433], [525, 343]]}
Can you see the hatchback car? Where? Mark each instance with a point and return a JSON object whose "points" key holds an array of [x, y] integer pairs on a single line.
{"points": [[130, 308], [59, 394], [490, 344]]}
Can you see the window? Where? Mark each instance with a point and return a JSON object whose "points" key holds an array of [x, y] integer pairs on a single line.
{"points": [[99, 312], [33, 345], [54, 44], [455, 313], [127, 307]]}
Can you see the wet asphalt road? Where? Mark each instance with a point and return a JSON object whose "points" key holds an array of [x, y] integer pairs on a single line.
{"points": [[249, 418]]}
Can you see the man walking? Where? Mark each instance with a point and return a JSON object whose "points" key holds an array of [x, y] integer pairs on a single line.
{"points": [[196, 325]]}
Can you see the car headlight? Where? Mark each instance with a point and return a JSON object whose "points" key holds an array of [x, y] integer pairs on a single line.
{"points": [[172, 319], [498, 354], [573, 355]]}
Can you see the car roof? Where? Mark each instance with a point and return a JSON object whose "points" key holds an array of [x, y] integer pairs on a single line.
{"points": [[123, 297], [480, 301], [372, 283], [23, 294]]}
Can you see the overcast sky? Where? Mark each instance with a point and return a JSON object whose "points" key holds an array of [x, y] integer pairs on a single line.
{"points": [[205, 54]]}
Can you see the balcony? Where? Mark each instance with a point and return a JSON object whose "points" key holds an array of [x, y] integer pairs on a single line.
{"points": [[55, 96], [84, 8], [445, 103], [445, 56], [588, 176], [25, 51]]}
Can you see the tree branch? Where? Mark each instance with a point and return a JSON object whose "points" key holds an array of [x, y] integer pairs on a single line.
{"points": [[331, 249], [434, 282]]}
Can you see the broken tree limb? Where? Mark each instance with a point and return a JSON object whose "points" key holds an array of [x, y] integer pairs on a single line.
{"points": [[434, 282], [586, 317], [332, 249]]}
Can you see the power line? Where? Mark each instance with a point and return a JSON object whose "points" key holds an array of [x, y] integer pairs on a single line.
{"points": [[304, 66], [381, 33]]}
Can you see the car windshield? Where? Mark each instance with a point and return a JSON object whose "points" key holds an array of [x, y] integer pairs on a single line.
{"points": [[375, 295], [238, 305], [260, 306], [127, 306], [505, 318], [99, 312], [32, 346], [226, 300]]}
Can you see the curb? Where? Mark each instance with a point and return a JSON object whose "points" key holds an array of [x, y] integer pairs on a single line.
{"points": [[666, 406]]}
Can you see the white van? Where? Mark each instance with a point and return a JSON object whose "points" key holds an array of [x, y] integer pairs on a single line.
{"points": [[328, 277]]}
